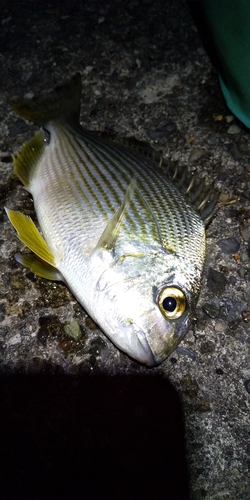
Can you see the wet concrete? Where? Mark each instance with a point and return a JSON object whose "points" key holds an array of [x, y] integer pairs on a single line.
{"points": [[145, 75]]}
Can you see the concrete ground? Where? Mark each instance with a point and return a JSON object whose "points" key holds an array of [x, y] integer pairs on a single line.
{"points": [[145, 74]]}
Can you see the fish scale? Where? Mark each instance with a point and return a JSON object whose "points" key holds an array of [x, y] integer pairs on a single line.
{"points": [[117, 230], [157, 194]]}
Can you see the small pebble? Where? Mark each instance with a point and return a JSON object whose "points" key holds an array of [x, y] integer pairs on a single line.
{"points": [[247, 296], [211, 310], [219, 371], [219, 327], [218, 118], [161, 132], [231, 309], [212, 140], [73, 330], [229, 118], [203, 405], [87, 70], [97, 346], [244, 257], [2, 311], [241, 272], [246, 316], [247, 385], [175, 156], [222, 176], [25, 76], [234, 151], [190, 386], [16, 339], [173, 361], [232, 280], [224, 269], [240, 170], [207, 347], [233, 130], [97, 93], [216, 281], [183, 351], [237, 257], [229, 245], [90, 323], [197, 153], [201, 493], [65, 345], [225, 197], [245, 233]]}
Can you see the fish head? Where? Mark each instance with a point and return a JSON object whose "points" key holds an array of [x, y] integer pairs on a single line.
{"points": [[145, 302]]}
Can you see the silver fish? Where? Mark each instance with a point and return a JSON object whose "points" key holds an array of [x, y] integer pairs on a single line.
{"points": [[116, 228]]}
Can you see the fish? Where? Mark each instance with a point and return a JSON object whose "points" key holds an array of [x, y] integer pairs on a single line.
{"points": [[123, 231]]}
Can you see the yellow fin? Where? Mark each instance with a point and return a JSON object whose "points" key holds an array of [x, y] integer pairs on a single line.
{"points": [[26, 160], [39, 267], [111, 231], [30, 236]]}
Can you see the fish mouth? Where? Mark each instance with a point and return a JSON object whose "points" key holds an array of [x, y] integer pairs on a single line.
{"points": [[169, 342], [146, 355], [135, 345]]}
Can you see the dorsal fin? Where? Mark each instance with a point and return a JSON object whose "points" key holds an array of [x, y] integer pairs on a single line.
{"points": [[61, 103], [204, 198]]}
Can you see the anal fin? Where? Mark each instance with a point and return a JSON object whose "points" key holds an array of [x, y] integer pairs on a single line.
{"points": [[39, 267]]}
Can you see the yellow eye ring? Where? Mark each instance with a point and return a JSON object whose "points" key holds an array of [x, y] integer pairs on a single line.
{"points": [[172, 302]]}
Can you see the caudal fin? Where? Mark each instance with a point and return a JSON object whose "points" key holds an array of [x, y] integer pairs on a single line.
{"points": [[63, 102]]}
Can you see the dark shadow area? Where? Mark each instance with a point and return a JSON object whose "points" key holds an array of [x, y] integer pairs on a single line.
{"points": [[91, 437], [198, 12]]}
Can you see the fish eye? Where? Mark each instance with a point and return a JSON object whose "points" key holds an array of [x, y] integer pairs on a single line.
{"points": [[172, 302]]}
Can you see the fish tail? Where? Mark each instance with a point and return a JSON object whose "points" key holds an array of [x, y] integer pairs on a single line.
{"points": [[61, 103]]}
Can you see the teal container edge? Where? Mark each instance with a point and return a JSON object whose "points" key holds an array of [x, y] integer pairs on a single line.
{"points": [[235, 104], [228, 22]]}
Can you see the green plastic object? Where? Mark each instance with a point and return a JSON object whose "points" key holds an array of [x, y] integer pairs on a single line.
{"points": [[229, 24]]}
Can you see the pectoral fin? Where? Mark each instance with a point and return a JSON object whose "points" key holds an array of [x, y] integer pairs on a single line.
{"points": [[42, 261], [30, 236], [111, 231]]}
